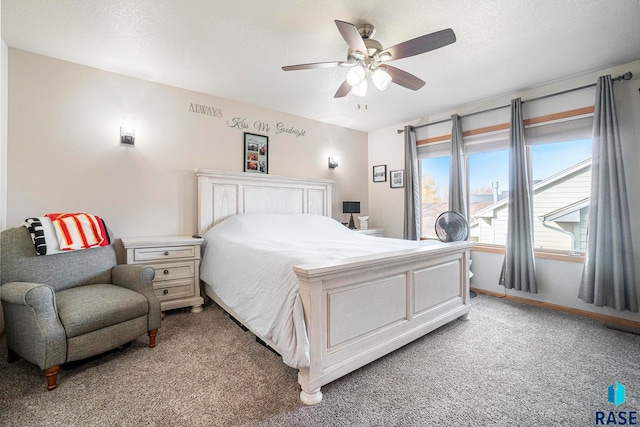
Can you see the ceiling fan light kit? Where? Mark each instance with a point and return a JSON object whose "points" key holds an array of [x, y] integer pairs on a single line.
{"points": [[381, 78], [360, 89], [356, 75], [365, 58]]}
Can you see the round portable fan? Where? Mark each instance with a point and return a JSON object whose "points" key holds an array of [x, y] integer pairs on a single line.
{"points": [[451, 226]]}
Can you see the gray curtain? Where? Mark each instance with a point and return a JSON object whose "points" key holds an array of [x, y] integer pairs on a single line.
{"points": [[457, 171], [608, 278], [518, 269], [412, 216]]}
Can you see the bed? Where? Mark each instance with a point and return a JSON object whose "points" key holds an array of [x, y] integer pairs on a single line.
{"points": [[335, 299]]}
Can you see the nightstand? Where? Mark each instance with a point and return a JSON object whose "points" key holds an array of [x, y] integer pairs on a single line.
{"points": [[176, 260], [376, 232]]}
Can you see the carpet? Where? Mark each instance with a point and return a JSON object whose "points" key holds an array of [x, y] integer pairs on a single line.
{"points": [[511, 364]]}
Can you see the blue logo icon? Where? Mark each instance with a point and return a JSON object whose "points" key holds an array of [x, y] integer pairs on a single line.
{"points": [[616, 394]]}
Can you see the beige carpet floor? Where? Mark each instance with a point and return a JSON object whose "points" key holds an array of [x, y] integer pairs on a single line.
{"points": [[510, 365]]}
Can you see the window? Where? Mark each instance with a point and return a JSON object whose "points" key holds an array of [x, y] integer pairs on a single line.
{"points": [[561, 181], [561, 178], [559, 155], [434, 174], [488, 196]]}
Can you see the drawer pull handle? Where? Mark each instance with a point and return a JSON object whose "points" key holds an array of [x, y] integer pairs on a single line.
{"points": [[166, 291], [166, 252], [166, 272]]}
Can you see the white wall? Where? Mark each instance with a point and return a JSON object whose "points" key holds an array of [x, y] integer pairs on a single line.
{"points": [[559, 281], [64, 152], [386, 147]]}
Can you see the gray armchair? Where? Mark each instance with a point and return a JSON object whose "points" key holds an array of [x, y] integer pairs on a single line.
{"points": [[66, 307]]}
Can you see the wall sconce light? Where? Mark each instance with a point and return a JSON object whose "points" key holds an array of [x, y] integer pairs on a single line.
{"points": [[333, 163], [128, 133]]}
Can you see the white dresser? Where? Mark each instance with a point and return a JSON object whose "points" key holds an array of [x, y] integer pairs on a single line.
{"points": [[176, 260]]}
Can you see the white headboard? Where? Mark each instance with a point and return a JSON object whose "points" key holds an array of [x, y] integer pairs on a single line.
{"points": [[223, 193]]}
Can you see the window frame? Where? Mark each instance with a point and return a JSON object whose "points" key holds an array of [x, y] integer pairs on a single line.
{"points": [[421, 157], [551, 254], [541, 253]]}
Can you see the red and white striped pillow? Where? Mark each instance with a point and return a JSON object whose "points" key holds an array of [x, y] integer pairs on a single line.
{"points": [[79, 230]]}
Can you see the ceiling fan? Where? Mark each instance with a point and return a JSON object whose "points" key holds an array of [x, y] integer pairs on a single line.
{"points": [[366, 57]]}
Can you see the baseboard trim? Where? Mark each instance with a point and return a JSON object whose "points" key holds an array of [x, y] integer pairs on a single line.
{"points": [[597, 316]]}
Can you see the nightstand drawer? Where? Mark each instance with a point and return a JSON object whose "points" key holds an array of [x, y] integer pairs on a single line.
{"points": [[167, 252], [174, 270], [176, 261], [174, 289]]}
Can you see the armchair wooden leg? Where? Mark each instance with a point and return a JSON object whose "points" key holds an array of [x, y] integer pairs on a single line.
{"points": [[52, 377], [12, 356], [152, 338]]}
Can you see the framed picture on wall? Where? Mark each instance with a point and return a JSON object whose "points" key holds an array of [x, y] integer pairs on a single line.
{"points": [[396, 179], [256, 153], [380, 173]]}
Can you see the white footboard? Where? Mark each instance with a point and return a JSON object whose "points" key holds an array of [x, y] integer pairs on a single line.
{"points": [[357, 311]]}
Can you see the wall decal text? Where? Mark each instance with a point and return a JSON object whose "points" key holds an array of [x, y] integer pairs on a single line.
{"points": [[280, 127], [238, 122], [242, 123], [261, 126], [206, 110]]}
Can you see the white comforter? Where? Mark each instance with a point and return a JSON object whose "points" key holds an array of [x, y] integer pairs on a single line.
{"points": [[248, 261]]}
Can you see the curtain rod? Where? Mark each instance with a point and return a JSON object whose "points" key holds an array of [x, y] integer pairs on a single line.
{"points": [[625, 76]]}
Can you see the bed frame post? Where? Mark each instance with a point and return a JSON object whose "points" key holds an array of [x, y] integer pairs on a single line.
{"points": [[313, 318]]}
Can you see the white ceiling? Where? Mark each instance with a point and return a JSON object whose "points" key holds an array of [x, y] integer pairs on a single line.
{"points": [[235, 49]]}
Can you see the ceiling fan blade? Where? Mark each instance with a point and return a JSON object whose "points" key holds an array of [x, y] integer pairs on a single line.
{"points": [[343, 90], [421, 44], [403, 78], [351, 35], [311, 66]]}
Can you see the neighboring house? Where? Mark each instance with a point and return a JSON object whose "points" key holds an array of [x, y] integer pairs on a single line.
{"points": [[560, 212], [430, 212]]}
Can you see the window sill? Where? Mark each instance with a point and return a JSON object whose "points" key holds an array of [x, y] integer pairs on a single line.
{"points": [[539, 253]]}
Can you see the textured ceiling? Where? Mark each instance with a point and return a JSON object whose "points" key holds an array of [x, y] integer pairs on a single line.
{"points": [[235, 50]]}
